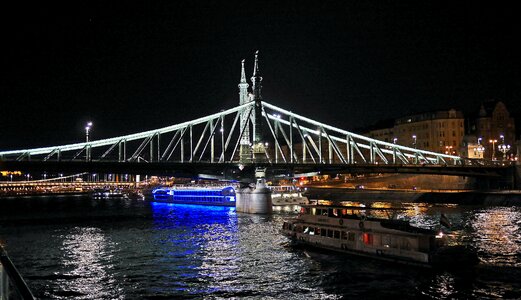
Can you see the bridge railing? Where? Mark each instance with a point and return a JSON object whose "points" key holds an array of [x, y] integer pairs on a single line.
{"points": [[10, 277]]}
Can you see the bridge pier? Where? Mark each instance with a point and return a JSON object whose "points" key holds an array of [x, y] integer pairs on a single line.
{"points": [[254, 201]]}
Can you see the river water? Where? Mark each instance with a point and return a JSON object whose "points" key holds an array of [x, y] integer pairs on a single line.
{"points": [[83, 248]]}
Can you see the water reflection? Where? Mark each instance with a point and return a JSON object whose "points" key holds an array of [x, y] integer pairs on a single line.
{"points": [[498, 234], [87, 259], [197, 244]]}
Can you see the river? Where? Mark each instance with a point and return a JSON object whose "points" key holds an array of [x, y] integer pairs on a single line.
{"points": [[82, 248]]}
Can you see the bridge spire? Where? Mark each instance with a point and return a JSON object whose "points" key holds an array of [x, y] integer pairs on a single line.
{"points": [[256, 79], [243, 86], [259, 152], [245, 149]]}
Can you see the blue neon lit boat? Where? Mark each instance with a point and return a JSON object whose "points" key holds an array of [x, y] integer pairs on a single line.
{"points": [[219, 196]]}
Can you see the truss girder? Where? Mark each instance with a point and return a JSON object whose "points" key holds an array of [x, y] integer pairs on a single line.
{"points": [[311, 136]]}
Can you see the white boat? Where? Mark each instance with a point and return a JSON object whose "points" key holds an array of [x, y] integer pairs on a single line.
{"points": [[373, 233], [200, 195], [287, 195]]}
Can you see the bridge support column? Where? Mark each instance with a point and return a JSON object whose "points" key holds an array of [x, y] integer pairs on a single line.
{"points": [[254, 201]]}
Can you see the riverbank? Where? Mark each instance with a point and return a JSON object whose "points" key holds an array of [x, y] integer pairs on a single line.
{"points": [[39, 194], [462, 197]]}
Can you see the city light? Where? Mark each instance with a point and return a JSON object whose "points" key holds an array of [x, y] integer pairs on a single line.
{"points": [[504, 148], [493, 142], [480, 148], [87, 129]]}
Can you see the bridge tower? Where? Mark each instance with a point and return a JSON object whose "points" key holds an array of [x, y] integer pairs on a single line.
{"points": [[259, 152], [245, 146]]}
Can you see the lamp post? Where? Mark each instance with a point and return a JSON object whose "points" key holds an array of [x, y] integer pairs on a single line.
{"points": [[448, 150], [87, 129], [504, 148], [480, 149], [493, 142], [414, 141]]}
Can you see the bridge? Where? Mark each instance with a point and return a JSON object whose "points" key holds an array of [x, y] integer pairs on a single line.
{"points": [[232, 143]]}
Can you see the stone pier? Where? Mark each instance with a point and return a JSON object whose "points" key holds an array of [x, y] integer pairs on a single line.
{"points": [[254, 200]]}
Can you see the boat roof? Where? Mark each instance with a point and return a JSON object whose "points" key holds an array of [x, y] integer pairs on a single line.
{"points": [[351, 207]]}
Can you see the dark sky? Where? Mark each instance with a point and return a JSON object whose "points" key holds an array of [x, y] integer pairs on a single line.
{"points": [[132, 67]]}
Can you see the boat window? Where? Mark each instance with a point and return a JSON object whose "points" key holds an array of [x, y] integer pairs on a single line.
{"points": [[344, 235], [306, 229], [405, 244], [351, 236], [386, 241], [323, 232], [317, 231], [330, 233], [367, 238], [313, 211], [311, 231], [337, 234]]}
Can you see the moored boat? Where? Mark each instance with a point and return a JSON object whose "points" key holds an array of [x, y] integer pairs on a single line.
{"points": [[107, 193], [287, 195], [373, 233], [201, 195]]}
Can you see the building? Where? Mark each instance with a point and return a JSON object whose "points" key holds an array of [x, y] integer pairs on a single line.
{"points": [[496, 127], [438, 131]]}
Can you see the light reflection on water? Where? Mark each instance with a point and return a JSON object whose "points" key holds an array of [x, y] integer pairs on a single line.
{"points": [[498, 235], [87, 257], [129, 249]]}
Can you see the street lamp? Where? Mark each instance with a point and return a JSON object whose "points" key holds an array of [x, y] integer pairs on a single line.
{"points": [[480, 149], [493, 142], [87, 150], [395, 140], [414, 141], [87, 129], [504, 148], [448, 150]]}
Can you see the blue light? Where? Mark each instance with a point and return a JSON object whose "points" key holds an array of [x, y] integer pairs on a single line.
{"points": [[172, 215], [197, 195]]}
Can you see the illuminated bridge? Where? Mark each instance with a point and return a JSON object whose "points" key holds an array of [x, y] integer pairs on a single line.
{"points": [[233, 142]]}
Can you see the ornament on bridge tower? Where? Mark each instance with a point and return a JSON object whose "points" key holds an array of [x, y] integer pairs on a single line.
{"points": [[259, 150], [245, 154], [251, 150]]}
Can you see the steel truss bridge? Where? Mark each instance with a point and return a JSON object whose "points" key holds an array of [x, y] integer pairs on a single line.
{"points": [[290, 145]]}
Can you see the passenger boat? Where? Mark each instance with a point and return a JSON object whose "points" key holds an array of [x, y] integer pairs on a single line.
{"points": [[373, 233], [107, 193], [201, 195], [287, 195]]}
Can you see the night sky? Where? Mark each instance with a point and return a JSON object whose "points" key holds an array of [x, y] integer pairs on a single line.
{"points": [[134, 67]]}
